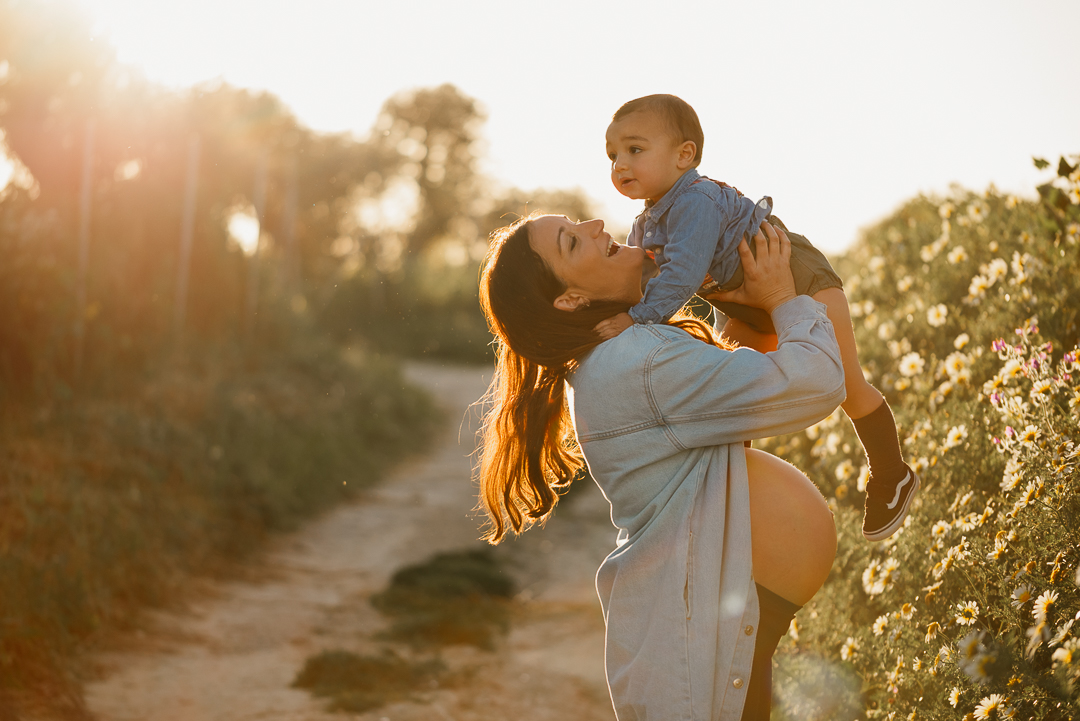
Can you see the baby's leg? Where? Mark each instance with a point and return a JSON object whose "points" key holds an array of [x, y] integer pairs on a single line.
{"points": [[862, 398], [743, 334], [892, 483]]}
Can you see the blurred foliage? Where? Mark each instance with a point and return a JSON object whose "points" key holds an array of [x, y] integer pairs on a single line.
{"points": [[170, 453], [966, 314], [384, 235], [431, 307], [106, 504]]}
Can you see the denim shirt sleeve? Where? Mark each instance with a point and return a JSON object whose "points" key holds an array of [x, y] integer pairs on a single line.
{"points": [[693, 222], [707, 396]]}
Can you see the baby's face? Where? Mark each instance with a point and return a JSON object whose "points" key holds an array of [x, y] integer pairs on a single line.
{"points": [[645, 159]]}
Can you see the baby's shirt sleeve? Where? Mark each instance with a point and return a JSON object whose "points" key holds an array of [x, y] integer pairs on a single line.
{"points": [[700, 231], [743, 216], [692, 225]]}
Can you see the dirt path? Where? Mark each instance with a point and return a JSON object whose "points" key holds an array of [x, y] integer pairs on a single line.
{"points": [[233, 653]]}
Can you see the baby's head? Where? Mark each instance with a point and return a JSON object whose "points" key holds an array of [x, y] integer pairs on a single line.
{"points": [[651, 142]]}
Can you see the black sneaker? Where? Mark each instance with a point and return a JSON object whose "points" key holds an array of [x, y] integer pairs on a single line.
{"points": [[887, 506]]}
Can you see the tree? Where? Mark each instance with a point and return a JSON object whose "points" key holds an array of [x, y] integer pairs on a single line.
{"points": [[434, 130]]}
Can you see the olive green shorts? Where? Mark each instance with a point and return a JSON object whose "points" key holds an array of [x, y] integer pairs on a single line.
{"points": [[810, 268]]}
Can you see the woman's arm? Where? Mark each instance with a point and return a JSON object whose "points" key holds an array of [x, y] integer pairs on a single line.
{"points": [[708, 395]]}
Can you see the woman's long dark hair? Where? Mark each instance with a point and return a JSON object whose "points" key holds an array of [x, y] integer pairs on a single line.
{"points": [[528, 451]]}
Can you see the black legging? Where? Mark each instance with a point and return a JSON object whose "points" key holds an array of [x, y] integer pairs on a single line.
{"points": [[774, 619]]}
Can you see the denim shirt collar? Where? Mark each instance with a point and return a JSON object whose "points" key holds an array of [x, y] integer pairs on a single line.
{"points": [[654, 211]]}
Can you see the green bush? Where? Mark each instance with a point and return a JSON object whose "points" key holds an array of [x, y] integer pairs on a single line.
{"points": [[107, 502], [966, 314], [421, 312]]}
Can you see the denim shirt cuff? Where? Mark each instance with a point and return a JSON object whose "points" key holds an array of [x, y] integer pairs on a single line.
{"points": [[762, 210], [799, 308], [643, 315]]}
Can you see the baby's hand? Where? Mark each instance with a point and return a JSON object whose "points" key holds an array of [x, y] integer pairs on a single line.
{"points": [[608, 329]]}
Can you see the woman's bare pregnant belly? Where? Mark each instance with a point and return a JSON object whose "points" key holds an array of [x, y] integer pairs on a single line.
{"points": [[792, 529]]}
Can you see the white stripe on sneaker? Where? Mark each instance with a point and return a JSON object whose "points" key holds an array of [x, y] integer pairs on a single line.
{"points": [[899, 487]]}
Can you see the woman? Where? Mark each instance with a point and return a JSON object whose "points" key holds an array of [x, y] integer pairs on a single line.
{"points": [[718, 545]]}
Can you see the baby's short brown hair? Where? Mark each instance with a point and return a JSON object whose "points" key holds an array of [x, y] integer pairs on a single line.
{"points": [[681, 119]]}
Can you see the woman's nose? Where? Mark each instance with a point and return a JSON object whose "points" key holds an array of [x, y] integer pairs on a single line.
{"points": [[594, 227]]}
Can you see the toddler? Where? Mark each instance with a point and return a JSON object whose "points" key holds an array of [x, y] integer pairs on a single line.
{"points": [[692, 227]]}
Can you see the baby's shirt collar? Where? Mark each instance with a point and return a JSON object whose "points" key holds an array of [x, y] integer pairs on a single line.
{"points": [[661, 206]]}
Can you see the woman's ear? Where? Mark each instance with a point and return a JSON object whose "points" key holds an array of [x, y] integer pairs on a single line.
{"points": [[687, 153], [571, 301]]}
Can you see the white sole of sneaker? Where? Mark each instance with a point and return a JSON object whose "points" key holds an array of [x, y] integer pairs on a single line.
{"points": [[883, 533]]}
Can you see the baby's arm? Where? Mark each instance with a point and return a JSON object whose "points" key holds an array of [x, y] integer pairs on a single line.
{"points": [[693, 224]]}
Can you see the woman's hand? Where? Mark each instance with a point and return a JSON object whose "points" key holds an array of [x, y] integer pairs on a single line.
{"points": [[767, 280]]}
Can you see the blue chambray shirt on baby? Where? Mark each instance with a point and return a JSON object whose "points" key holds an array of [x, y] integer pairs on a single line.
{"points": [[661, 418], [692, 231]]}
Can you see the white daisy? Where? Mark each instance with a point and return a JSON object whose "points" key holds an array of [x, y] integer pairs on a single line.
{"points": [[978, 286], [978, 211], [1043, 605], [996, 270], [957, 255], [1021, 595], [967, 613], [956, 436], [911, 364], [989, 705], [936, 315]]}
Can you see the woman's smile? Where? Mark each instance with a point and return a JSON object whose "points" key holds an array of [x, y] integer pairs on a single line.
{"points": [[587, 259]]}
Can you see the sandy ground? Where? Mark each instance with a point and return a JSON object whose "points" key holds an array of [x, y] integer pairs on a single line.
{"points": [[232, 652]]}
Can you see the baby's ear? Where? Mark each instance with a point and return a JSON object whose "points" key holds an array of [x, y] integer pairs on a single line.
{"points": [[570, 301], [687, 153]]}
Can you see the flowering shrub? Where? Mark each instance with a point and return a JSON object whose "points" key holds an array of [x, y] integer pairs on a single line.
{"points": [[966, 311]]}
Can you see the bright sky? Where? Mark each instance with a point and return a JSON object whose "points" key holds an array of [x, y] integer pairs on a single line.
{"points": [[839, 110]]}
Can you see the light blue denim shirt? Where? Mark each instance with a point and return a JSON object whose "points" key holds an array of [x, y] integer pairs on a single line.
{"points": [[661, 418], [693, 231]]}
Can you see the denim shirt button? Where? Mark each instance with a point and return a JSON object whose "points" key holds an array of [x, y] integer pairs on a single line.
{"points": [[649, 234]]}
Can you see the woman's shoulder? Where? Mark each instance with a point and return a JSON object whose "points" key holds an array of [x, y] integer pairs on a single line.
{"points": [[643, 335], [610, 385], [632, 349]]}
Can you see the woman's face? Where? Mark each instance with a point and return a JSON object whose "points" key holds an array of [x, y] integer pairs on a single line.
{"points": [[586, 259]]}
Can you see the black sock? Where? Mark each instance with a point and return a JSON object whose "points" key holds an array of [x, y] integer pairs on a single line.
{"points": [[775, 617], [877, 432]]}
